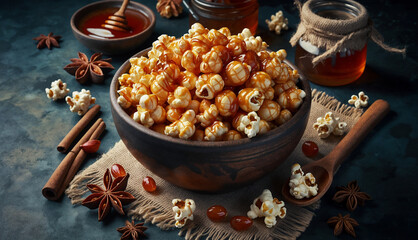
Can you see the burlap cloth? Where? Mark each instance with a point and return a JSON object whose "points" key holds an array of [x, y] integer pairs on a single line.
{"points": [[157, 209]]}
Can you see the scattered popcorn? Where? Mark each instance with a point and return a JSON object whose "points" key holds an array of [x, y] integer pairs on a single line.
{"points": [[302, 185], [268, 207], [80, 102], [277, 22], [57, 91], [329, 124], [359, 101], [183, 210]]}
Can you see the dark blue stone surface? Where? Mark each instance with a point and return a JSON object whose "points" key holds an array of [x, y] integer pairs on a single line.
{"points": [[385, 164]]}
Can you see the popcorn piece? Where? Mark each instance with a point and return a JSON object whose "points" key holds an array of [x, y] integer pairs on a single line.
{"points": [[284, 116], [250, 99], [208, 113], [236, 73], [249, 124], [215, 131], [123, 102], [302, 185], [227, 103], [264, 126], [277, 22], [143, 117], [329, 124], [259, 80], [251, 42], [80, 102], [217, 38], [183, 128], [149, 102], [208, 85], [159, 114], [273, 67], [191, 61], [188, 80], [268, 207], [211, 62], [291, 99], [197, 29], [269, 111], [173, 114], [340, 129], [236, 45], [183, 210], [231, 135], [200, 44], [57, 91], [180, 98], [359, 101]]}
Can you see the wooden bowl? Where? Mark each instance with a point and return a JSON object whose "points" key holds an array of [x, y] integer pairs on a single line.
{"points": [[209, 166], [114, 46]]}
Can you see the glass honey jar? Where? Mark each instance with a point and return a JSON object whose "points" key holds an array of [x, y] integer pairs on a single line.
{"points": [[336, 32], [234, 14]]}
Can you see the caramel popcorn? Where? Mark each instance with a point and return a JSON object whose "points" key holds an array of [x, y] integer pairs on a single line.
{"points": [[359, 101], [302, 185], [209, 85], [183, 128], [183, 211], [143, 117], [268, 207], [291, 99], [251, 42], [249, 124], [329, 124], [284, 116], [277, 22], [215, 131], [250, 99], [57, 91], [80, 102]]}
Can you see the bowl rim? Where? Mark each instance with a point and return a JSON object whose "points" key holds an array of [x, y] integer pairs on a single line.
{"points": [[257, 140], [149, 14]]}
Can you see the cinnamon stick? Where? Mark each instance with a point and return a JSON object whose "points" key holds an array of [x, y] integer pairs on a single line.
{"points": [[52, 187], [75, 131], [79, 160]]}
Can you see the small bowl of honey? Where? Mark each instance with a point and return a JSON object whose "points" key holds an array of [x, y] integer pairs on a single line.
{"points": [[87, 26]]}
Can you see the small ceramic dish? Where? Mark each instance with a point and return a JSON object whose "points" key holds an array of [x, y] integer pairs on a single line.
{"points": [[113, 46], [209, 166]]}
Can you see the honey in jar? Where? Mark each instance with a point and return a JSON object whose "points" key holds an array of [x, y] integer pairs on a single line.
{"points": [[343, 68], [331, 41], [234, 14]]}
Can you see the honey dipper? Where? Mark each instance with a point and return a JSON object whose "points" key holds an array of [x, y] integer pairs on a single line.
{"points": [[118, 21]]}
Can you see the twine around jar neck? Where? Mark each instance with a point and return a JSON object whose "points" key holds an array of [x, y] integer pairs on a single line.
{"points": [[335, 35]]}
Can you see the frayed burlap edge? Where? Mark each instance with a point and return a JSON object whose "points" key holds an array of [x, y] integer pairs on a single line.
{"points": [[297, 218], [334, 105]]}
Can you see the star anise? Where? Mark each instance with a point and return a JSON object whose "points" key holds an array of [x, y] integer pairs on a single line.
{"points": [[112, 195], [132, 231], [169, 8], [47, 41], [85, 69], [341, 223], [351, 195]]}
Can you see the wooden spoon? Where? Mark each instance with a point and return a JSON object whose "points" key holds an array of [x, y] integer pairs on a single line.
{"points": [[118, 20], [323, 169]]}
